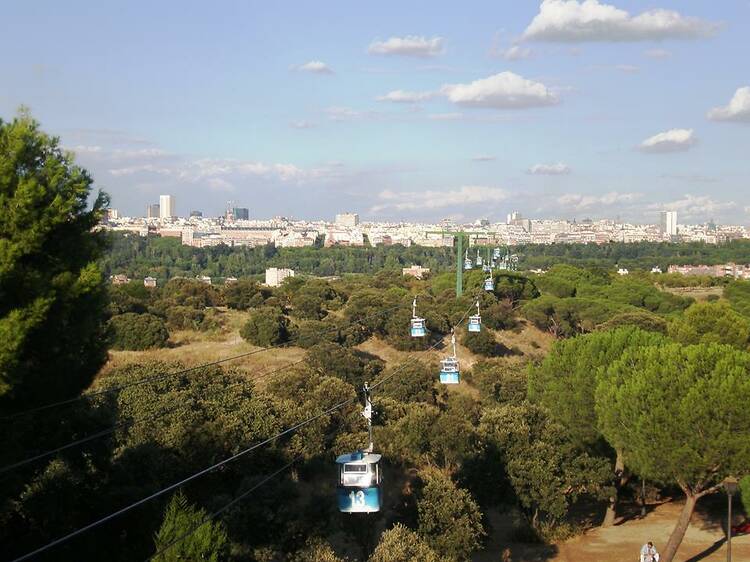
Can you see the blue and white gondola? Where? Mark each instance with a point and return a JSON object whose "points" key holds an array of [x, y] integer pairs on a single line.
{"points": [[475, 321], [418, 327], [489, 284], [450, 372], [359, 486]]}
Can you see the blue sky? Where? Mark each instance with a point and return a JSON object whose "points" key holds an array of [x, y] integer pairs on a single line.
{"points": [[418, 110]]}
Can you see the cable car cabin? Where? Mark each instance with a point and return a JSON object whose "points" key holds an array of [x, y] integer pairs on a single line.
{"points": [[496, 253], [449, 372], [467, 263], [418, 329], [489, 284], [486, 268], [358, 489], [475, 323]]}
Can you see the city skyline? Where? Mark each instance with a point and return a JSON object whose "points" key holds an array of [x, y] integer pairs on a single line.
{"points": [[559, 109]]}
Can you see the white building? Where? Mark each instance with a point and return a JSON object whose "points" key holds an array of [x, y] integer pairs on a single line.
{"points": [[668, 223], [275, 275], [166, 207], [347, 219]]}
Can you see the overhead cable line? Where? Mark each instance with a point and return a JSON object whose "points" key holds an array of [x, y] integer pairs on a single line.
{"points": [[161, 376], [219, 464], [182, 482]]}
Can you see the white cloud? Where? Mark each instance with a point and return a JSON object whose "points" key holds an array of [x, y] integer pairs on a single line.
{"points": [[445, 116], [629, 68], [674, 140], [657, 53], [694, 206], [737, 110], [516, 52], [315, 67], [220, 184], [558, 169], [342, 113], [483, 158], [401, 96], [302, 124], [434, 199], [501, 91], [591, 20], [84, 149], [411, 45], [579, 202]]}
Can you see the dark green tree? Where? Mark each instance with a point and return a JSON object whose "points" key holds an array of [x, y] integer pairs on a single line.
{"points": [[401, 544], [266, 326], [207, 540], [565, 381], [449, 518], [134, 332], [52, 294], [679, 413], [711, 323]]}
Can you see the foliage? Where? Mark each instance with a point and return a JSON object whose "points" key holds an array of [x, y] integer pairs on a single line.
{"points": [[52, 296], [738, 295], [711, 323], [484, 343], [641, 319], [653, 398], [449, 518], [565, 381], [265, 327], [409, 381], [570, 316], [401, 544], [244, 294], [546, 470], [499, 381], [134, 332], [207, 540], [354, 367]]}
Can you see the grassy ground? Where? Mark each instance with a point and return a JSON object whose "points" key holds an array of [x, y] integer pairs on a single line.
{"points": [[698, 293]]}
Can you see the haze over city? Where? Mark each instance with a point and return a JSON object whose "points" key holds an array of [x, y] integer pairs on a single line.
{"points": [[421, 112]]}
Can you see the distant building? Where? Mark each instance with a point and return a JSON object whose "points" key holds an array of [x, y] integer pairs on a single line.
{"points": [[622, 271], [347, 219], [275, 276], [656, 269], [196, 214], [149, 282], [119, 279], [230, 280], [241, 213], [112, 214], [668, 223], [724, 270], [416, 271], [166, 207], [203, 279], [152, 211]]}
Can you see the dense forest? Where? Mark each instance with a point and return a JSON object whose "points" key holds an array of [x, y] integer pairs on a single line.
{"points": [[149, 459], [163, 258]]}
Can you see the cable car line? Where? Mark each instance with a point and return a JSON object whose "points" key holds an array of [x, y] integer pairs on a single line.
{"points": [[222, 509], [182, 482], [161, 376], [213, 467], [132, 422]]}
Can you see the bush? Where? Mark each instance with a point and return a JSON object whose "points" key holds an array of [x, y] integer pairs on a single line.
{"points": [[499, 381], [266, 326], [484, 343], [244, 294], [136, 332], [184, 318], [642, 319]]}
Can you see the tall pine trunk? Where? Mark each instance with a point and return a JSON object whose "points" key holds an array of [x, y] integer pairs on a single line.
{"points": [[678, 533], [611, 515]]}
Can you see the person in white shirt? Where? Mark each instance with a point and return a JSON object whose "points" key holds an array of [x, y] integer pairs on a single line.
{"points": [[648, 553]]}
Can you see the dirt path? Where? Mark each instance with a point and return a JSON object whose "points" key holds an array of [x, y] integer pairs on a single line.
{"points": [[704, 540]]}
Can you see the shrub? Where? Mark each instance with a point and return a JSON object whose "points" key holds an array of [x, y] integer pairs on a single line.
{"points": [[136, 332], [484, 343], [184, 318], [266, 326]]}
